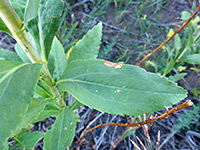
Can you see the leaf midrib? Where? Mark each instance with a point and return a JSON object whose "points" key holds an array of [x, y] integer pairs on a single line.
{"points": [[60, 130], [115, 87], [11, 71]]}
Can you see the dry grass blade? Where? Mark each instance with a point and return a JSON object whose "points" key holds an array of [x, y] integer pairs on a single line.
{"points": [[167, 139], [135, 145], [158, 141], [146, 133], [141, 143]]}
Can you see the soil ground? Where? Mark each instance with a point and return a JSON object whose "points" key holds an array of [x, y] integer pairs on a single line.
{"points": [[130, 42]]}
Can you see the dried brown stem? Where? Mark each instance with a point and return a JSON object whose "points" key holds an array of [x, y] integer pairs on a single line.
{"points": [[135, 145], [158, 141], [141, 143], [167, 113], [166, 41]]}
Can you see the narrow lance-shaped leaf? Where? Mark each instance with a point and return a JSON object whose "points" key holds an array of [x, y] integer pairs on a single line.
{"points": [[57, 60], [88, 46], [29, 139], [192, 59], [49, 15], [4, 28], [118, 89], [189, 39], [21, 53], [31, 10], [43, 90], [46, 114], [62, 132], [34, 32], [169, 67], [16, 91], [34, 110], [177, 77], [75, 105], [19, 7], [177, 42], [51, 109]]}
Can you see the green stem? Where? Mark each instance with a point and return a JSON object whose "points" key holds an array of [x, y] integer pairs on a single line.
{"points": [[181, 55], [14, 24], [196, 37], [20, 143]]}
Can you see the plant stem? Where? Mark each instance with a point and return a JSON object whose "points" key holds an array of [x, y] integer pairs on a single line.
{"points": [[181, 55], [14, 24], [20, 143]]}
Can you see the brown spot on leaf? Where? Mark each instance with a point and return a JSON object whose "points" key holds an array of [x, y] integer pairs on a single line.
{"points": [[111, 64]]}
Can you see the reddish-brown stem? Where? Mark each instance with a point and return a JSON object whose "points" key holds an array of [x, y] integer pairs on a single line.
{"points": [[166, 41], [85, 126], [115, 144], [167, 113]]}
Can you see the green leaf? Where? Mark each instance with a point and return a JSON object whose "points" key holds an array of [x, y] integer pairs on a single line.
{"points": [[21, 53], [19, 6], [88, 46], [46, 114], [49, 17], [185, 15], [8, 55], [62, 132], [169, 67], [4, 28], [195, 92], [118, 89], [177, 77], [7, 66], [28, 139], [6, 146], [189, 39], [69, 34], [16, 91], [31, 10], [177, 42], [34, 32], [129, 132], [51, 109], [57, 60], [34, 110], [75, 105], [192, 59], [43, 90]]}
